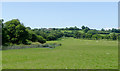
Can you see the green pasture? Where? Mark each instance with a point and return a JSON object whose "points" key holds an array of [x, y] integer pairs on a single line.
{"points": [[73, 54], [0, 60], [81, 31]]}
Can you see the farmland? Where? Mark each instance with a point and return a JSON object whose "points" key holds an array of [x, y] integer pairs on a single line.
{"points": [[73, 54], [59, 35]]}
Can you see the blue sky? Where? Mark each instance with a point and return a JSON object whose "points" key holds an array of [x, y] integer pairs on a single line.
{"points": [[95, 15]]}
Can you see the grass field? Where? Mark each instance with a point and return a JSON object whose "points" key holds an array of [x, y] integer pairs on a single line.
{"points": [[73, 54], [81, 31], [0, 60]]}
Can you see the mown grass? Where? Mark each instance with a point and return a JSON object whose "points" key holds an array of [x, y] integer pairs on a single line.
{"points": [[73, 54]]}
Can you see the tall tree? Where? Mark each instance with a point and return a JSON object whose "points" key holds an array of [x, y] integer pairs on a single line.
{"points": [[86, 29], [102, 29], [16, 31], [113, 36], [83, 27]]}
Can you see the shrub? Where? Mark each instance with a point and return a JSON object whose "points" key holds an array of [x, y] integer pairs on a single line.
{"points": [[28, 42], [45, 45], [41, 39]]}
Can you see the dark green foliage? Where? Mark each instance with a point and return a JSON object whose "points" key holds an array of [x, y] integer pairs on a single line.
{"points": [[28, 28], [33, 36], [41, 39], [14, 32], [83, 35], [92, 32], [102, 32], [49, 34], [77, 35], [86, 29], [102, 29], [96, 36], [118, 37], [107, 37], [51, 37], [83, 27], [68, 34], [113, 30], [72, 28], [88, 36], [5, 36], [113, 36]]}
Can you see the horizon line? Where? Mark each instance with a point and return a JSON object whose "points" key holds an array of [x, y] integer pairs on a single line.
{"points": [[73, 26]]}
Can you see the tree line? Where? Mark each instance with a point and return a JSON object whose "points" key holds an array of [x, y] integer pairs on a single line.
{"points": [[14, 32]]}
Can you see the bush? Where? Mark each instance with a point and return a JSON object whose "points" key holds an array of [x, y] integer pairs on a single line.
{"points": [[28, 42], [51, 37], [41, 39], [45, 45], [113, 36]]}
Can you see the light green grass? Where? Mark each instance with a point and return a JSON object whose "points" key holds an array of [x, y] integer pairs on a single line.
{"points": [[0, 60], [73, 54], [35, 43], [52, 42], [81, 31]]}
